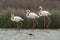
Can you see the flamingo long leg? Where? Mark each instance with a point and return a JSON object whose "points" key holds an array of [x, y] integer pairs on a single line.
{"points": [[49, 21], [17, 25], [33, 24], [44, 21], [21, 24], [36, 22]]}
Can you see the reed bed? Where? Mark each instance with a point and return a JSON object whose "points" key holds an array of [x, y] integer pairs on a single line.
{"points": [[5, 22]]}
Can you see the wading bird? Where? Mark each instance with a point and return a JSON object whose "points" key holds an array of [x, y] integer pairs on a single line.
{"points": [[16, 19], [32, 16], [45, 14]]}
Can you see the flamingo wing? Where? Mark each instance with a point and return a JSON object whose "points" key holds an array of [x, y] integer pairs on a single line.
{"points": [[33, 15], [45, 13], [17, 18]]}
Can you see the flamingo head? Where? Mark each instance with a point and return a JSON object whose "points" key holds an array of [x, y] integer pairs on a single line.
{"points": [[27, 10], [12, 15], [40, 7]]}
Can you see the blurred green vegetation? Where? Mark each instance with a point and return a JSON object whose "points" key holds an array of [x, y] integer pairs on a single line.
{"points": [[5, 22]]}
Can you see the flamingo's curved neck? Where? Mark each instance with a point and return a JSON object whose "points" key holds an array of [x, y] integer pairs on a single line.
{"points": [[40, 12], [27, 14]]}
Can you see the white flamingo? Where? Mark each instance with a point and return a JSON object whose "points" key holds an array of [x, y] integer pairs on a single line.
{"points": [[16, 19], [32, 16], [45, 14]]}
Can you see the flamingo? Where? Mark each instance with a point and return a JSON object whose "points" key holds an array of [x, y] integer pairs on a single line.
{"points": [[32, 16], [16, 19], [45, 14]]}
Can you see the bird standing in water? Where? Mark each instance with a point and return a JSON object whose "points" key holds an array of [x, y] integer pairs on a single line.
{"points": [[45, 14], [32, 16], [16, 19]]}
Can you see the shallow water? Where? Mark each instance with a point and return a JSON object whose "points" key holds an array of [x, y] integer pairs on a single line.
{"points": [[39, 34]]}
